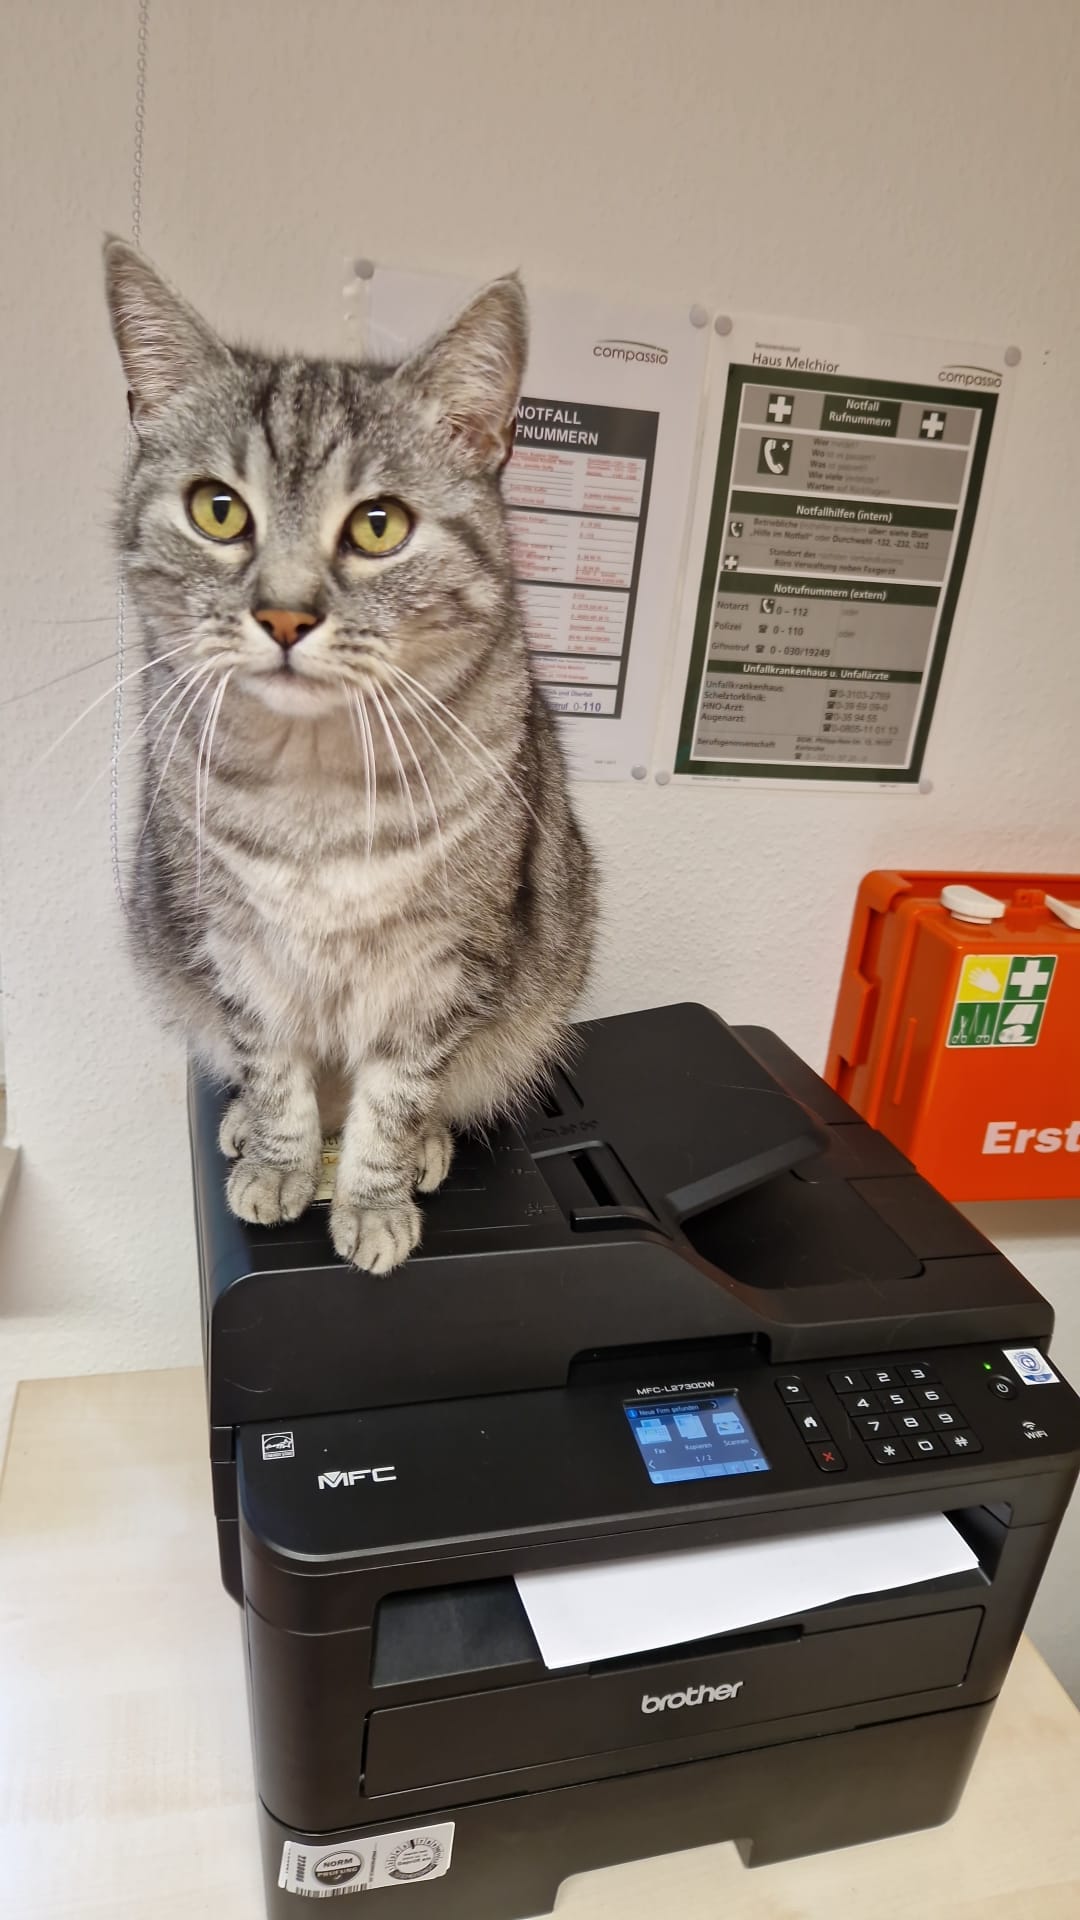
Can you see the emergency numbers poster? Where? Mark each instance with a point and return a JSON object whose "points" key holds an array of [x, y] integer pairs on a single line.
{"points": [[841, 486]]}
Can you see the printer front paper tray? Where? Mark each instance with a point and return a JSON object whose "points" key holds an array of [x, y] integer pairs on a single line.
{"points": [[478, 1740], [512, 1855]]}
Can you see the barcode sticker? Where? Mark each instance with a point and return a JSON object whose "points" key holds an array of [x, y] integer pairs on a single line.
{"points": [[357, 1866]]}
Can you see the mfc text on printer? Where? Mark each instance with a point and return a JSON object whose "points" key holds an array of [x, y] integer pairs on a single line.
{"points": [[693, 1301]]}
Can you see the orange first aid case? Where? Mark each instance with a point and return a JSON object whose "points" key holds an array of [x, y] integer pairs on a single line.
{"points": [[957, 1028]]}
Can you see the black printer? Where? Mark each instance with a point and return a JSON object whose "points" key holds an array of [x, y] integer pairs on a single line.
{"points": [[692, 1301]]}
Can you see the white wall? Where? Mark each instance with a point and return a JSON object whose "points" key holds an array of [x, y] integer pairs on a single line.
{"points": [[912, 165]]}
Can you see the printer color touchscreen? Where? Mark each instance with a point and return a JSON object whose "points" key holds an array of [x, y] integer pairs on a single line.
{"points": [[695, 1439]]}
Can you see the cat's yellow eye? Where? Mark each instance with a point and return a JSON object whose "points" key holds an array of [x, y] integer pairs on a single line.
{"points": [[217, 511], [377, 527]]}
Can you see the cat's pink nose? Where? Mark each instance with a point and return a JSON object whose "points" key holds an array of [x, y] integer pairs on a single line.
{"points": [[285, 626]]}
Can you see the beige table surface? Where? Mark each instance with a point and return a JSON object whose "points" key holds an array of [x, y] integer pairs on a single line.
{"points": [[125, 1781]]}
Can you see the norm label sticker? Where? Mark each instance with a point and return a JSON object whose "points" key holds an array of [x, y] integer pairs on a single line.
{"points": [[361, 1865], [1001, 999], [1032, 1366]]}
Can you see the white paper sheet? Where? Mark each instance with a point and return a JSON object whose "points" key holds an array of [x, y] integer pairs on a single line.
{"points": [[602, 1612]]}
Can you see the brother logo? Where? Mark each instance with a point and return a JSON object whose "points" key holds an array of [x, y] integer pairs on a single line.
{"points": [[345, 1478], [693, 1697]]}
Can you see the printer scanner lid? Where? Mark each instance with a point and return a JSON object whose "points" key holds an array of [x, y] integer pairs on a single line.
{"points": [[680, 1183]]}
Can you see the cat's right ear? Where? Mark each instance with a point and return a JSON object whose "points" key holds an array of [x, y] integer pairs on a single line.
{"points": [[164, 346], [469, 377]]}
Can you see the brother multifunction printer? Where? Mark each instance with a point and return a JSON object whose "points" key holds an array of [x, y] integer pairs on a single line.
{"points": [[690, 1313]]}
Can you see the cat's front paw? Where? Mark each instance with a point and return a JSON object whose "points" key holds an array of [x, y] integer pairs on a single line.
{"points": [[433, 1156], [376, 1239], [266, 1195]]}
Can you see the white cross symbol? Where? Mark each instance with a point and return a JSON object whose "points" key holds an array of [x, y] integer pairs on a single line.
{"points": [[933, 424], [1030, 976], [779, 409], [730, 563], [890, 1451]]}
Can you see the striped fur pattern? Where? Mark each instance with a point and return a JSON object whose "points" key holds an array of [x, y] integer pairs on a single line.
{"points": [[358, 885]]}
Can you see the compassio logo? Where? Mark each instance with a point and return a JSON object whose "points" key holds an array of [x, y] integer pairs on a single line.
{"points": [[642, 351]]}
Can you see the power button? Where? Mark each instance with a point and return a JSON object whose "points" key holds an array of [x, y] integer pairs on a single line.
{"points": [[1002, 1386]]}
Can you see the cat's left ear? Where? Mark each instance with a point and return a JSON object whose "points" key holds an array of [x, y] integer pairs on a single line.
{"points": [[471, 375], [164, 346]]}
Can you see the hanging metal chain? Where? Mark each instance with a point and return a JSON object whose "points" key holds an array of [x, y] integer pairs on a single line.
{"points": [[140, 120], [141, 43]]}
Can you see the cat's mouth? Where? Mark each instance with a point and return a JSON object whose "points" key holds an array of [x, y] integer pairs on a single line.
{"points": [[286, 690]]}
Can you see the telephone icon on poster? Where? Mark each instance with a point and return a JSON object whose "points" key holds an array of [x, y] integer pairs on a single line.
{"points": [[775, 456]]}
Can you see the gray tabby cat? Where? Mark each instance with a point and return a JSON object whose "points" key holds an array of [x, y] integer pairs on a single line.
{"points": [[359, 881]]}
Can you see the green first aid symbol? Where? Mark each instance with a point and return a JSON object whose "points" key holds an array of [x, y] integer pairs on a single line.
{"points": [[1030, 976]]}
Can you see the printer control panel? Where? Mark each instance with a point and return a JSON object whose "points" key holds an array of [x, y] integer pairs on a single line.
{"points": [[690, 1432], [900, 1413], [874, 1419]]}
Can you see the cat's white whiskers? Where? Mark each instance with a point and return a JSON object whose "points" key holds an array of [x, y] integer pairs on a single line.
{"points": [[400, 694], [207, 718], [403, 778], [360, 736], [421, 776], [370, 780], [107, 695], [207, 740], [444, 716], [103, 659], [198, 673], [187, 675], [184, 718], [77, 620], [352, 708]]}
